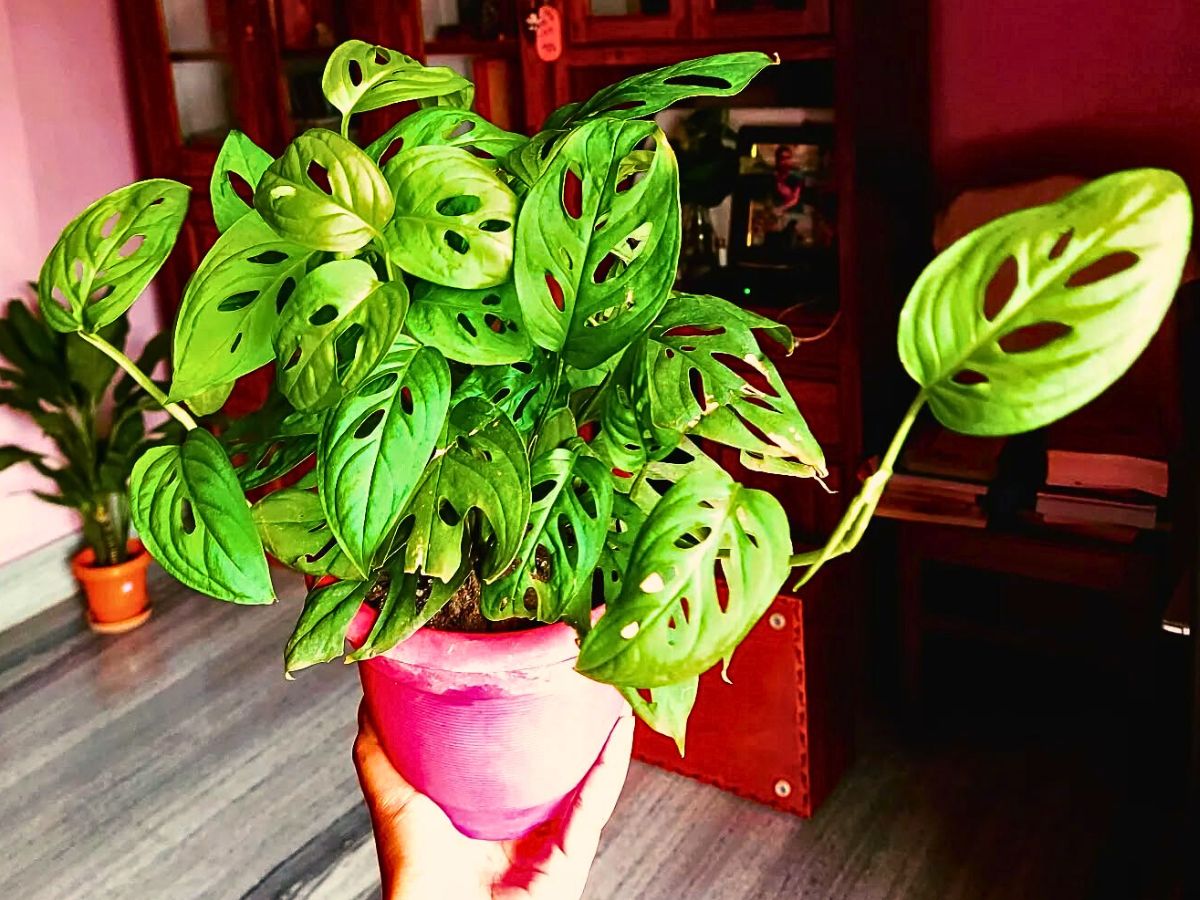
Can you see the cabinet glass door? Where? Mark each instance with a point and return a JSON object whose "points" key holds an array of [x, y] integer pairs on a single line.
{"points": [[591, 21], [760, 18]]}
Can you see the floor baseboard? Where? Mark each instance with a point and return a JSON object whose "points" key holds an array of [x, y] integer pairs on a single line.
{"points": [[37, 580]]}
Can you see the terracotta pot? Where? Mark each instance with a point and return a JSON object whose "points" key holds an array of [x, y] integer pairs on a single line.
{"points": [[116, 595], [498, 729]]}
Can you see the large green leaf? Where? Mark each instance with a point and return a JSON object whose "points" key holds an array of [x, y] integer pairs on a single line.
{"points": [[229, 310], [324, 193], [481, 328], [334, 330], [320, 632], [240, 157], [293, 529], [668, 708], [520, 389], [411, 601], [643, 95], [454, 218], [568, 523], [596, 256], [1094, 275], [189, 509], [360, 76], [671, 622], [481, 466], [105, 258], [438, 126], [273, 441], [376, 443], [704, 347]]}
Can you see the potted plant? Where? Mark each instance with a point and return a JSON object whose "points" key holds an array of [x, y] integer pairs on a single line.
{"points": [[66, 386], [474, 333]]}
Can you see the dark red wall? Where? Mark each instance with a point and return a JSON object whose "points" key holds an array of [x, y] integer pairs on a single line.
{"points": [[1025, 88]]}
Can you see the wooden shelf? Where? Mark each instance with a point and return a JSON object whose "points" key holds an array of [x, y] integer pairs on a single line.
{"points": [[469, 46]]}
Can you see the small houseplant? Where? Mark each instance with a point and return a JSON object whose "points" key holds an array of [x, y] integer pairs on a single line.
{"points": [[474, 333], [67, 387]]}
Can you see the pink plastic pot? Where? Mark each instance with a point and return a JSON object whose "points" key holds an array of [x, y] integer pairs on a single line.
{"points": [[498, 729]]}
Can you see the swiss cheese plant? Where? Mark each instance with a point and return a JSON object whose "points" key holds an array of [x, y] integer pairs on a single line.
{"points": [[476, 336]]}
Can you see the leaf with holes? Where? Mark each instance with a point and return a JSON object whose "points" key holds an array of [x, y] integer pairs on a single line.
{"points": [[228, 313], [568, 523], [105, 258], [337, 326], [359, 77], [526, 162], [557, 429], [685, 459], [189, 510], [481, 466], [454, 218], [721, 75], [376, 443], [1089, 280], [623, 527], [240, 163], [294, 530], [324, 193], [701, 370], [670, 622], [519, 389], [446, 128], [668, 708], [320, 632], [481, 328], [597, 254], [411, 601]]}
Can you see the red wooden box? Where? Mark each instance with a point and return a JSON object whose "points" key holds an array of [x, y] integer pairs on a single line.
{"points": [[782, 733]]}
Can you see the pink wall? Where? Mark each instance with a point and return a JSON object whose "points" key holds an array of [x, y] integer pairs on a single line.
{"points": [[65, 139], [1025, 88]]}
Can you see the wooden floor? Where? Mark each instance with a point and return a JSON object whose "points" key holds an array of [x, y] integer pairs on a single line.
{"points": [[176, 762]]}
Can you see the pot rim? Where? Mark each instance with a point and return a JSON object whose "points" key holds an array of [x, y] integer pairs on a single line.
{"points": [[476, 652], [84, 569]]}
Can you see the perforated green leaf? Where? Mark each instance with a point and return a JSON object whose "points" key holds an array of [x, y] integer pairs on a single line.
{"points": [[190, 512], [324, 193], [454, 218], [705, 347], [107, 255], [229, 310], [361, 76], [439, 126], [481, 328], [668, 708], [375, 445], [568, 523], [1094, 275], [272, 442], [520, 389], [526, 162], [334, 330], [642, 95], [242, 159], [670, 623], [293, 529], [411, 601], [481, 466], [597, 254], [320, 633], [623, 527]]}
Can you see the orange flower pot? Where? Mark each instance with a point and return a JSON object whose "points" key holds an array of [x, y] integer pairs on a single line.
{"points": [[116, 595]]}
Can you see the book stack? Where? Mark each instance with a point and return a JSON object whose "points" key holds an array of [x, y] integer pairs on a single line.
{"points": [[942, 477], [1109, 495]]}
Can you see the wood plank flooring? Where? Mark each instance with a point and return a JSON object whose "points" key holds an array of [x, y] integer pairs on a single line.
{"points": [[176, 762]]}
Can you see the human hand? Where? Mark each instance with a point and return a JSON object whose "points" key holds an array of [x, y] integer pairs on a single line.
{"points": [[422, 856]]}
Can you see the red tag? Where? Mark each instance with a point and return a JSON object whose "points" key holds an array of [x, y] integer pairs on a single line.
{"points": [[549, 34]]}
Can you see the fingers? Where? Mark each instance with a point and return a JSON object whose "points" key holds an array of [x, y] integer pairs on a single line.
{"points": [[598, 793], [386, 792]]}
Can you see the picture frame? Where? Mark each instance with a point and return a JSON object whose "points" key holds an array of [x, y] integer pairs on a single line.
{"points": [[784, 203]]}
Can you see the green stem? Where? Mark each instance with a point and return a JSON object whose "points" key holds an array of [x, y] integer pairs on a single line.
{"points": [[857, 517], [555, 381], [346, 127], [594, 399], [143, 380]]}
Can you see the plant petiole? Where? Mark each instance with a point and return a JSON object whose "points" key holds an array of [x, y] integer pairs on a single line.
{"points": [[176, 411]]}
